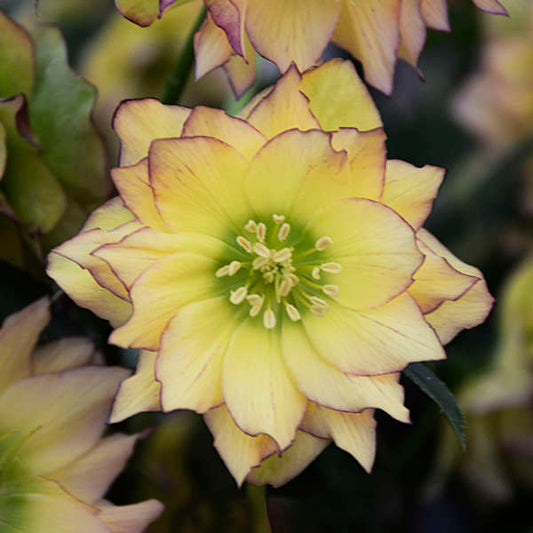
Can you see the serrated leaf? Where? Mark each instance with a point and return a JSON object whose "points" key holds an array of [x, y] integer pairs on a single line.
{"points": [[16, 59], [60, 115], [426, 379]]}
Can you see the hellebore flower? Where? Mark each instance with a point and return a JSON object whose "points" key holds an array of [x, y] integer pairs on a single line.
{"points": [[274, 268], [376, 32], [54, 466]]}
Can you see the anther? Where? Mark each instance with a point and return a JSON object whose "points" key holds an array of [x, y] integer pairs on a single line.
{"points": [[262, 250], [316, 273], [282, 255], [251, 226], [259, 262], [285, 287], [293, 313], [331, 290], [244, 243], [278, 219], [332, 268], [234, 267], [294, 279], [318, 311], [283, 232], [254, 299], [269, 319], [261, 231], [318, 302], [254, 310], [323, 243], [222, 271], [238, 295]]}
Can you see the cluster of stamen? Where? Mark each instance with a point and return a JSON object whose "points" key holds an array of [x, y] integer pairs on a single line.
{"points": [[273, 278]]}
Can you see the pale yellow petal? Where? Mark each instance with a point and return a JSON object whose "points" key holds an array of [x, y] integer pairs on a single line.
{"points": [[83, 289], [134, 518], [338, 98], [436, 281], [63, 354], [324, 384], [491, 6], [376, 250], [410, 190], [139, 122], [211, 48], [435, 14], [258, 391], [142, 12], [277, 470], [295, 174], [133, 185], [286, 31], [470, 309], [136, 252], [367, 157], [198, 184], [169, 284], [65, 413], [239, 451], [370, 32], [189, 364], [241, 71], [412, 31], [229, 15], [236, 132], [376, 341], [139, 393], [285, 107], [353, 432], [18, 337], [88, 477], [109, 216]]}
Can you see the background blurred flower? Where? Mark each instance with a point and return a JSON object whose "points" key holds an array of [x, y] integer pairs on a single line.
{"points": [[54, 466], [274, 267], [52, 162]]}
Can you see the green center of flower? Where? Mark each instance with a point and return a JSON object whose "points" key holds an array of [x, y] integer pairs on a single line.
{"points": [[280, 277]]}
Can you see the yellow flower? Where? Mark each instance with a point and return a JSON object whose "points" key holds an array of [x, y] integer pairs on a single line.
{"points": [[54, 466], [273, 267], [376, 32]]}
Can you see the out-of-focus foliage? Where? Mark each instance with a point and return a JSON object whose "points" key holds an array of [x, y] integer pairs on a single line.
{"points": [[53, 161]]}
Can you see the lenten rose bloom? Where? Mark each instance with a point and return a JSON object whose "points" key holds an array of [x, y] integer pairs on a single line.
{"points": [[273, 268], [54, 466], [376, 32]]}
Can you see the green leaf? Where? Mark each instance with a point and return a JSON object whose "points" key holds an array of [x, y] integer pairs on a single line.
{"points": [[31, 189], [16, 59], [60, 115], [426, 379]]}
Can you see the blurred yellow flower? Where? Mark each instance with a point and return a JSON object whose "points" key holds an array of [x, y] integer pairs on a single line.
{"points": [[273, 268], [54, 466], [376, 32]]}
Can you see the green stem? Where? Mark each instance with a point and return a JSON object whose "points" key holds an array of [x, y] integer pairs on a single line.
{"points": [[178, 78], [257, 503]]}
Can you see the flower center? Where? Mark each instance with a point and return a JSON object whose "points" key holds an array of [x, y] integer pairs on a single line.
{"points": [[279, 276]]}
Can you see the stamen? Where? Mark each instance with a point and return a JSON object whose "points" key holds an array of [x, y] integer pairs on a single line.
{"points": [[254, 310], [331, 290], [323, 243], [332, 268], [244, 243], [293, 313], [262, 250], [259, 262], [318, 311], [318, 302], [237, 296], [255, 299], [285, 287], [222, 271], [234, 267], [283, 232], [278, 219], [316, 273], [294, 279], [269, 276], [251, 226], [282, 255], [261, 231], [269, 319]]}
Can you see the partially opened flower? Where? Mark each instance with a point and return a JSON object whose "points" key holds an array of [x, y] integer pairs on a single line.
{"points": [[274, 268], [376, 32], [54, 466]]}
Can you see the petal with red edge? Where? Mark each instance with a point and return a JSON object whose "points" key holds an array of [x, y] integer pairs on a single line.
{"points": [[435, 14], [211, 48], [109, 216], [491, 6], [139, 122], [239, 451], [62, 354], [133, 518], [412, 31], [258, 390], [376, 341]]}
